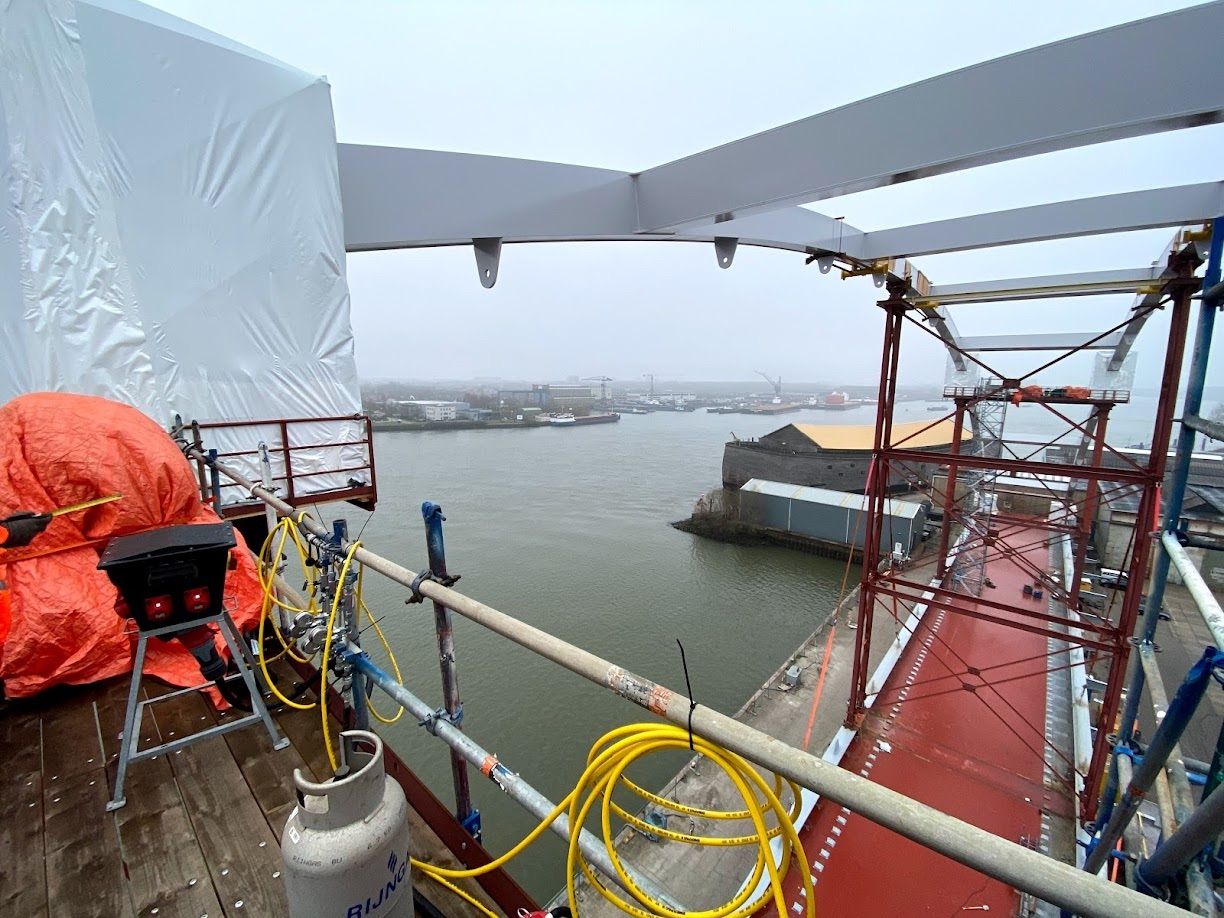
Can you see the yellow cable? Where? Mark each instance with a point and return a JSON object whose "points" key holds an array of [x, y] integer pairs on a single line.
{"points": [[268, 568], [607, 761], [327, 642], [464, 895], [285, 530]]}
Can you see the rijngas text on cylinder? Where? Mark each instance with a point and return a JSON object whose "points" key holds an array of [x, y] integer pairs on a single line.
{"points": [[345, 845]]}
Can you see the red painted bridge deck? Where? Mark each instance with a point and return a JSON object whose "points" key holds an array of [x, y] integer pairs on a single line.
{"points": [[960, 726]]}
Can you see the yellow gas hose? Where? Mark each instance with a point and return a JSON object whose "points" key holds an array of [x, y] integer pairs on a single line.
{"points": [[607, 761], [284, 532]]}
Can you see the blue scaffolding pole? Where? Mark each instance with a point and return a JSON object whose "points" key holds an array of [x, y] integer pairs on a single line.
{"points": [[1212, 298]]}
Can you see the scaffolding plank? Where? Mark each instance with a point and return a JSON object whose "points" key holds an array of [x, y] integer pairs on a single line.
{"points": [[24, 890], [165, 867], [268, 772], [80, 837], [239, 847]]}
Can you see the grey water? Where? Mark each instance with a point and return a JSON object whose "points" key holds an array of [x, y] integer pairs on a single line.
{"points": [[568, 530]]}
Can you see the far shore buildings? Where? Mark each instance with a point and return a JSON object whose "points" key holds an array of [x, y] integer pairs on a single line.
{"points": [[835, 456]]}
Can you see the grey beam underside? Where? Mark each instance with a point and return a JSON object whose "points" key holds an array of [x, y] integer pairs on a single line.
{"points": [[1125, 81], [1057, 341], [1086, 283], [1142, 309], [404, 198], [1114, 213], [395, 197]]}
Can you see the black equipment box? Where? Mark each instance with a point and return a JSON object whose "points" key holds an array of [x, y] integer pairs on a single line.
{"points": [[171, 575]]}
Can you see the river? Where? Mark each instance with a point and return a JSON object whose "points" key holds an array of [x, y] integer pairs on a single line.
{"points": [[568, 529]]}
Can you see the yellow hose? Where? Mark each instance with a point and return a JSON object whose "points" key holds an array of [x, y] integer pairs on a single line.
{"points": [[327, 642], [607, 761], [283, 532]]}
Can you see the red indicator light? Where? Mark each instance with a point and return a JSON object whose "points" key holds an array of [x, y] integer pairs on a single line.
{"points": [[159, 608], [197, 600]]}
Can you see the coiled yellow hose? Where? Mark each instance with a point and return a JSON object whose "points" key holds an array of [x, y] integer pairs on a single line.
{"points": [[607, 762], [281, 534]]}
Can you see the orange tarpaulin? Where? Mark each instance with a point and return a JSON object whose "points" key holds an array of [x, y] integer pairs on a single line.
{"points": [[61, 627]]}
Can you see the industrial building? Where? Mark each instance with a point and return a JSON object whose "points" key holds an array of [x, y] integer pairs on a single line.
{"points": [[833, 519], [1201, 520], [549, 397], [417, 409], [834, 456]]}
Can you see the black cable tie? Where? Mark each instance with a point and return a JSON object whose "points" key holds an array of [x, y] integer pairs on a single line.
{"points": [[689, 688]]}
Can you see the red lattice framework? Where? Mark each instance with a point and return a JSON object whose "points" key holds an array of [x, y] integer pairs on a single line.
{"points": [[1103, 634]]}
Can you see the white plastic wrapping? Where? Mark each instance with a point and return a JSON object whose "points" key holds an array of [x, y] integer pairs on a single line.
{"points": [[170, 226]]}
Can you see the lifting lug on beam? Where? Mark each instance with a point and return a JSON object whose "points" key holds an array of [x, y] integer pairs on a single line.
{"points": [[488, 256], [724, 250]]}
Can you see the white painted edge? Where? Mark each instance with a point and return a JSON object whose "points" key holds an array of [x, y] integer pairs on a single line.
{"points": [[1081, 726]]}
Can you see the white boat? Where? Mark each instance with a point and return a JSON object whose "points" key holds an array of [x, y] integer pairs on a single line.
{"points": [[561, 420]]}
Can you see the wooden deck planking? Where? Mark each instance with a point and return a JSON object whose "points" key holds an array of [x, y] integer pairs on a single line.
{"points": [[269, 773], [84, 870], [188, 840], [165, 866], [22, 851], [239, 847]]}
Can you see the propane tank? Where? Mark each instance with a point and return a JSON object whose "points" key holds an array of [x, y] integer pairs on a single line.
{"points": [[345, 845]]}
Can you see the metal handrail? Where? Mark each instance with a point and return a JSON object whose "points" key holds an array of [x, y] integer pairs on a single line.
{"points": [[1007, 861]]}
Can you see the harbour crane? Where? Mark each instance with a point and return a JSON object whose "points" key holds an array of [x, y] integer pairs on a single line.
{"points": [[776, 383], [603, 387], [650, 376]]}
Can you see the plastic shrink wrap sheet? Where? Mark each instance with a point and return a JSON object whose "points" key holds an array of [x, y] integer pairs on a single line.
{"points": [[170, 227]]}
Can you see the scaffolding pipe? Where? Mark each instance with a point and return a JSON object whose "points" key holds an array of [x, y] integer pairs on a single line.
{"points": [[1194, 835], [1180, 802], [1010, 862], [1175, 495], [1132, 835], [435, 547], [1179, 781], [1181, 709], [514, 786], [1204, 599]]}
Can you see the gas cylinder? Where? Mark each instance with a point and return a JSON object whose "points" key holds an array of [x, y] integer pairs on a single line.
{"points": [[345, 845]]}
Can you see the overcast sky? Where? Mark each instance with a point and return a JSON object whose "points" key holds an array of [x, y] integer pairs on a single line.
{"points": [[628, 85]]}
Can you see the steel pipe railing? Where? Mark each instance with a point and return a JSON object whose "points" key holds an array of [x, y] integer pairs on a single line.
{"points": [[1172, 725], [1019, 866], [1175, 493], [1194, 835], [1132, 835], [515, 787], [1181, 801], [1204, 600]]}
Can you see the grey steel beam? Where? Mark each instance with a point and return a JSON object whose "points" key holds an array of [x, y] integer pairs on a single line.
{"points": [[1080, 91], [1030, 288], [1056, 341], [1113, 213], [939, 319], [1145, 304], [1212, 429], [396, 197], [405, 198]]}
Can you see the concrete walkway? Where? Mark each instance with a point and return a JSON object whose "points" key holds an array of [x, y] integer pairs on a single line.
{"points": [[701, 877]]}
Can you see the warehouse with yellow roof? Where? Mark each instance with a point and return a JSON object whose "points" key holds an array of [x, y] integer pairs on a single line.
{"points": [[836, 456]]}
